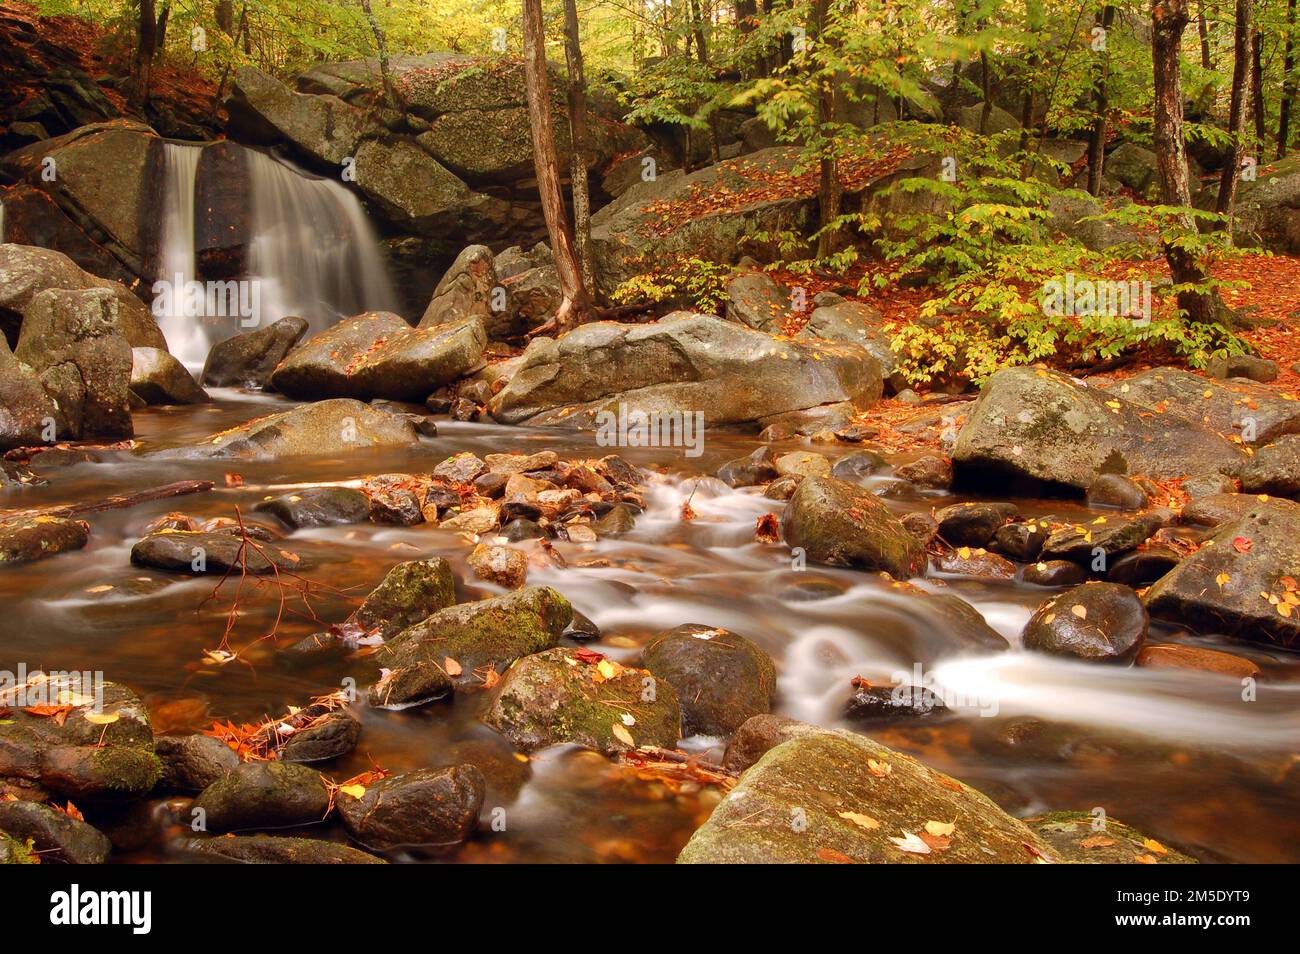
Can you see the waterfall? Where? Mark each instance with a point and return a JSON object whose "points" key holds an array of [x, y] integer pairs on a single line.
{"points": [[187, 339]]}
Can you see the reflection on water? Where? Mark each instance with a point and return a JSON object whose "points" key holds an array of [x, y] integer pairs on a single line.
{"points": [[1177, 754]]}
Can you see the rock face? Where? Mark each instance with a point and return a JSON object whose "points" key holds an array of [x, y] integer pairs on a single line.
{"points": [[1102, 622], [58, 837], [24, 539], [378, 355], [426, 808], [26, 411], [682, 363], [1044, 426], [1274, 469], [326, 427], [1241, 582], [1074, 840], [1267, 211], [1256, 414], [273, 850], [721, 677], [840, 524], [422, 660], [265, 110], [158, 378], [566, 695], [247, 360], [263, 795], [833, 797]]}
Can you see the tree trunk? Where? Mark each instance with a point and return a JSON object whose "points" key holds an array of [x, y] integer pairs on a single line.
{"points": [[225, 16], [146, 43], [986, 91], [1169, 18], [1241, 65], [1288, 86], [1203, 28], [830, 192], [381, 49], [578, 135], [575, 302], [1101, 106], [160, 33], [1257, 88]]}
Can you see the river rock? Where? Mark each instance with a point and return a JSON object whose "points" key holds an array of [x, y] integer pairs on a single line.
{"points": [[972, 524], [888, 705], [190, 763], [757, 468], [325, 427], [1116, 490], [332, 735], [460, 469], [1143, 567], [683, 363], [80, 759], [856, 801], [1047, 427], [928, 472], [318, 507], [1020, 541], [27, 412], [577, 696], [1101, 622], [1255, 413], [1074, 840], [721, 677], [426, 808], [756, 300], [1053, 573], [760, 734], [198, 551], [158, 378], [264, 795], [840, 524], [58, 837], [273, 850], [24, 539], [467, 640], [247, 360], [977, 562], [1112, 537], [1197, 659], [1274, 469], [504, 566]]}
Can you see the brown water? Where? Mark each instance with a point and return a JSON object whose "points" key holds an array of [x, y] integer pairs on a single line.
{"points": [[1177, 754]]}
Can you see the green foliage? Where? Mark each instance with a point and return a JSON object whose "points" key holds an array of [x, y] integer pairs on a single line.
{"points": [[690, 283]]}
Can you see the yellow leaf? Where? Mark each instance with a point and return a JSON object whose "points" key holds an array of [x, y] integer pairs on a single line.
{"points": [[964, 553], [879, 769], [356, 791], [608, 669], [862, 821], [1079, 610], [1152, 845], [453, 668], [623, 735], [102, 718], [940, 829]]}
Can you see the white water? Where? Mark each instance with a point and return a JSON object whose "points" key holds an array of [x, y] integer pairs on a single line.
{"points": [[186, 337]]}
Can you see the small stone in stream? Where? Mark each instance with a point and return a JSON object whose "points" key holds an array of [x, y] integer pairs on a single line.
{"points": [[973, 524], [26, 539], [1116, 490], [578, 532], [620, 471], [422, 809], [757, 468], [463, 409], [1098, 622], [721, 677], [524, 490], [977, 562], [887, 704], [479, 520], [760, 734], [332, 735], [438, 402], [934, 473], [1020, 541], [247, 360], [395, 499], [856, 433], [179, 551], [273, 850], [1106, 537], [567, 695], [582, 628], [1176, 656], [190, 763], [424, 424], [56, 836], [1143, 567], [618, 520], [1274, 469], [1208, 485], [318, 507], [264, 795], [801, 464], [921, 525], [1074, 840], [160, 379], [461, 469], [491, 484], [521, 463], [504, 566], [853, 467], [840, 524], [584, 479], [1248, 366], [783, 488], [522, 529], [1053, 573]]}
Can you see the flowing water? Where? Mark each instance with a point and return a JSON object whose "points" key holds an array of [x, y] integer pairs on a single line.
{"points": [[1177, 754]]}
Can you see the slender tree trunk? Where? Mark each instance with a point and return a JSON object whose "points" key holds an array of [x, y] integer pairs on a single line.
{"points": [[225, 16], [578, 138], [1101, 107], [1203, 28], [160, 33], [575, 302], [381, 49], [1288, 82], [146, 44], [1169, 18], [986, 91], [1257, 88], [1241, 65], [831, 188]]}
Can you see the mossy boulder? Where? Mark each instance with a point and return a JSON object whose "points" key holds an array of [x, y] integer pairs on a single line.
{"points": [[425, 808], [577, 696], [337, 426], [272, 850], [263, 795], [834, 797], [840, 524], [456, 645], [25, 539], [190, 763], [721, 677], [1075, 840], [56, 836]]}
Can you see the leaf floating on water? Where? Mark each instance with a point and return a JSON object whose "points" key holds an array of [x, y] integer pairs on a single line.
{"points": [[910, 844], [862, 821], [102, 588]]}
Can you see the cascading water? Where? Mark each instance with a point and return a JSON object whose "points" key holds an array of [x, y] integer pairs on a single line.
{"points": [[186, 337]]}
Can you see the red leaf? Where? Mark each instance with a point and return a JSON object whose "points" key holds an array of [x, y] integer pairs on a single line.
{"points": [[1242, 545]]}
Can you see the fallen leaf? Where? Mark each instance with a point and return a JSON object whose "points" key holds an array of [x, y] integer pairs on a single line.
{"points": [[453, 668], [862, 821], [355, 791], [940, 828], [102, 718], [879, 769], [623, 735], [1241, 544], [1079, 610], [911, 844], [1097, 841]]}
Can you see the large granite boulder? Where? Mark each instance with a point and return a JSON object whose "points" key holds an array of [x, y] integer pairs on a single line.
{"points": [[247, 360], [326, 427], [417, 194], [264, 110], [26, 410], [158, 378], [1256, 413], [1266, 213]]}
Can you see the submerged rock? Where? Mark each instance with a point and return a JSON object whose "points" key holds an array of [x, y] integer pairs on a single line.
{"points": [[25, 539], [57, 836], [1101, 622], [721, 677], [426, 808], [1075, 839], [273, 850], [840, 524], [263, 795], [325, 427], [247, 360]]}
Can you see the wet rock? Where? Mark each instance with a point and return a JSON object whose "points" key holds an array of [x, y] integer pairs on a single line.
{"points": [[884, 705], [1143, 567], [324, 127], [378, 355], [395, 499], [27, 413], [159, 378], [522, 529], [1116, 490], [978, 562], [332, 735], [190, 763], [783, 488], [1274, 469], [1208, 485], [973, 524], [480, 520], [1255, 413], [1218, 509], [1250, 366], [756, 300], [853, 467], [521, 463], [1044, 426], [921, 525], [567, 695], [490, 484], [859, 800], [56, 836], [338, 426], [1083, 544], [80, 759], [183, 551], [1020, 541], [1237, 582], [460, 469], [1175, 656], [247, 360], [1054, 573], [757, 468], [721, 677], [1099, 622], [471, 637], [582, 628], [942, 623], [839, 524], [25, 539], [758, 735], [799, 464], [465, 290], [1074, 839], [273, 850], [426, 808], [264, 795], [318, 507], [504, 566], [932, 473], [617, 521]]}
